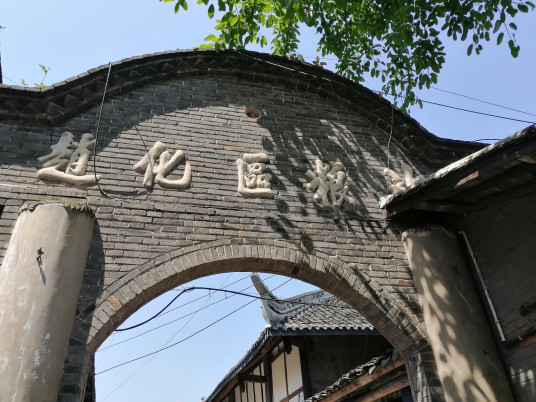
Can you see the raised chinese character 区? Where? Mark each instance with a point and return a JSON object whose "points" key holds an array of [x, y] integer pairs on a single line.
{"points": [[252, 179]]}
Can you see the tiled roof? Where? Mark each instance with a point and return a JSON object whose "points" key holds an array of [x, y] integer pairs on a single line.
{"points": [[327, 314], [311, 313], [364, 369], [491, 152]]}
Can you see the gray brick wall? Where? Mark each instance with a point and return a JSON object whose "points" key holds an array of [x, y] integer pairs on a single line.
{"points": [[205, 118], [147, 241]]}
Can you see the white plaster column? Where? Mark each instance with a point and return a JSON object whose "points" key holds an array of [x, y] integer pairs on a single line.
{"points": [[467, 359], [40, 281]]}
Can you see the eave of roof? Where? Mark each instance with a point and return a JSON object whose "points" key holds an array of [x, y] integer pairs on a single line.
{"points": [[388, 359], [54, 104], [494, 160], [300, 325], [269, 334], [242, 364], [328, 314]]}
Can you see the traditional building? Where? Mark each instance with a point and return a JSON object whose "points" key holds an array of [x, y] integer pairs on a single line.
{"points": [[134, 178], [473, 222], [309, 343]]}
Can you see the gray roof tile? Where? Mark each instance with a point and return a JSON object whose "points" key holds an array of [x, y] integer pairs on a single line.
{"points": [[327, 314], [367, 368]]}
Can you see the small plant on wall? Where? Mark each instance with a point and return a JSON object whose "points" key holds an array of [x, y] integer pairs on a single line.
{"points": [[41, 84]]}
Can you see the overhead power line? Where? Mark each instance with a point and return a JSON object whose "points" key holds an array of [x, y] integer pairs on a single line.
{"points": [[176, 343], [157, 314], [207, 295], [199, 331], [477, 112], [233, 292], [458, 108], [482, 101], [183, 316], [169, 340], [9, 79]]}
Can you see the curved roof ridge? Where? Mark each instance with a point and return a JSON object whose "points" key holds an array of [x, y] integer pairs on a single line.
{"points": [[52, 105], [276, 310], [328, 313]]}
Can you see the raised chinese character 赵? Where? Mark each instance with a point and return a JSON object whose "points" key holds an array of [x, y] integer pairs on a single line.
{"points": [[252, 179], [71, 156], [157, 171], [328, 181]]}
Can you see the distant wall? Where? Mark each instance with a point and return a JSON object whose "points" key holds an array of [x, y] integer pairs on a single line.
{"points": [[509, 271], [332, 356]]}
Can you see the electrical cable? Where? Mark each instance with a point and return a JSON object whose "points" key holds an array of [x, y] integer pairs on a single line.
{"points": [[192, 335], [388, 147], [302, 72], [202, 297], [104, 193], [458, 108], [97, 132], [177, 319], [400, 96], [9, 79], [153, 356], [101, 357], [157, 314], [477, 112], [176, 343], [218, 290], [482, 101]]}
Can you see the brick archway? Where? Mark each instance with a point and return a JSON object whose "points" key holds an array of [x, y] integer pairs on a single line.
{"points": [[154, 278], [147, 241], [177, 267]]}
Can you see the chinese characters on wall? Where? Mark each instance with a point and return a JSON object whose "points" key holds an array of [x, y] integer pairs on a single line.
{"points": [[68, 160], [157, 171], [397, 183], [252, 178], [328, 180], [70, 156]]}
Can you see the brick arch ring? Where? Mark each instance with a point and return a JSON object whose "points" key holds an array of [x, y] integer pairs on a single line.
{"points": [[139, 286]]}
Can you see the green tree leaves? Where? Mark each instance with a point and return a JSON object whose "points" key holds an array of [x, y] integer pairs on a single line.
{"points": [[395, 40]]}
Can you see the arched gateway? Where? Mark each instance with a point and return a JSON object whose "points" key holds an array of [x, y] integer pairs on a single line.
{"points": [[205, 162]]}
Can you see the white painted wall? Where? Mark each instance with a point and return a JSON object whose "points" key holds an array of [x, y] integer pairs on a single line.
{"points": [[294, 376], [294, 373], [237, 394]]}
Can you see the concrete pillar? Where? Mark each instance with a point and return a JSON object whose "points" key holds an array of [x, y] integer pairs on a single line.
{"points": [[40, 281], [467, 359]]}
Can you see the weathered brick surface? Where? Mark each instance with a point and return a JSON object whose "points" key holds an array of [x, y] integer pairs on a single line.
{"points": [[509, 275], [422, 372], [148, 241]]}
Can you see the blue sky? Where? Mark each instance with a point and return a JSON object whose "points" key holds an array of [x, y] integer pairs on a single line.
{"points": [[73, 37], [190, 370]]}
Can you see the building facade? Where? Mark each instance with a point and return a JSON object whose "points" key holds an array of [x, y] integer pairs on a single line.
{"points": [[309, 342], [131, 179]]}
